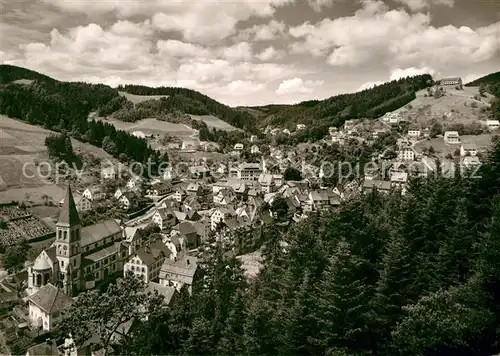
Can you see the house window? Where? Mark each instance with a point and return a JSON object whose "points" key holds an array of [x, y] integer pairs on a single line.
{"points": [[114, 266], [143, 270], [132, 268]]}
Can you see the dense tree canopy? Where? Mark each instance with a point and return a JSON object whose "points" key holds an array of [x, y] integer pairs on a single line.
{"points": [[413, 274]]}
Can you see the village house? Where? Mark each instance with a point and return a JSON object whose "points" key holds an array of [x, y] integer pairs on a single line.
{"points": [[168, 173], [468, 149], [83, 204], [249, 171], [398, 179], [413, 134], [266, 182], [164, 218], [451, 137], [179, 273], [199, 172], [316, 200], [127, 199], [406, 154], [179, 194], [186, 231], [253, 139], [47, 306], [332, 130], [108, 172], [379, 185], [221, 214], [174, 146], [159, 189], [190, 145], [470, 162], [492, 125], [455, 81], [254, 149], [94, 193], [146, 262], [224, 196], [194, 189], [238, 147], [118, 193], [287, 132], [191, 203], [300, 127], [134, 183]]}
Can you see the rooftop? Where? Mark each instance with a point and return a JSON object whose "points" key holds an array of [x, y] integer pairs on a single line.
{"points": [[50, 299], [99, 231], [68, 215]]}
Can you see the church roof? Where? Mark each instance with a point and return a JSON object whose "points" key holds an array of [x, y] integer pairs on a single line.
{"points": [[42, 263], [68, 215], [50, 299]]}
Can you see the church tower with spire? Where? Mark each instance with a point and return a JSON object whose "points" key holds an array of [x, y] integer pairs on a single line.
{"points": [[67, 244]]}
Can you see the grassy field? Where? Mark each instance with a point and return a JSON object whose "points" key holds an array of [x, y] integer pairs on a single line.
{"points": [[214, 122], [456, 107], [22, 145], [153, 126], [136, 99], [483, 143]]}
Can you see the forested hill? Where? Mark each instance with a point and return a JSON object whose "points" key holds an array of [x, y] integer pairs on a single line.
{"points": [[318, 115], [192, 102], [65, 106], [10, 73], [491, 84], [493, 78], [109, 101]]}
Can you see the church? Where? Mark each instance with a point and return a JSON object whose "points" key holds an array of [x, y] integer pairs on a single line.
{"points": [[79, 257]]}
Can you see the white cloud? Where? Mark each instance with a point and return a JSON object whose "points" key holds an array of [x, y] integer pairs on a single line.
{"points": [[399, 73], [419, 5], [270, 53], [181, 49], [265, 32], [239, 52], [198, 21], [319, 5], [297, 85], [394, 38], [369, 85]]}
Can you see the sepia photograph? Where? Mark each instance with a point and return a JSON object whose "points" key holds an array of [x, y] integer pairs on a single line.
{"points": [[250, 177]]}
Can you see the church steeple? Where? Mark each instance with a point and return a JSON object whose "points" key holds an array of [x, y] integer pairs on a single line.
{"points": [[68, 215], [68, 239]]}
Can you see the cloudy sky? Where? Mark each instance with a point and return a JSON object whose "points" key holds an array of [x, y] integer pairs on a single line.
{"points": [[252, 52]]}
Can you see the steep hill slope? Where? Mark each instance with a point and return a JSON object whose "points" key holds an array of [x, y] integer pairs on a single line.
{"points": [[164, 102], [187, 101], [318, 115], [493, 78], [9, 73]]}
